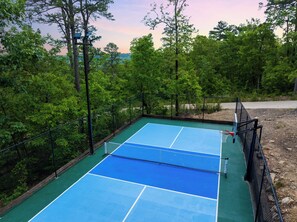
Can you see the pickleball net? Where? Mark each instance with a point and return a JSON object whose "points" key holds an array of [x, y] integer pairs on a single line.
{"points": [[168, 156]]}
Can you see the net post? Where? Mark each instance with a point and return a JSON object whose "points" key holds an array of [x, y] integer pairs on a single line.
{"points": [[235, 126], [203, 108], [225, 166], [142, 106], [130, 110], [105, 148], [247, 176], [53, 152]]}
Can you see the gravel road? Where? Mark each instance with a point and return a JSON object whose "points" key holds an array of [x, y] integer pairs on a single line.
{"points": [[290, 104]]}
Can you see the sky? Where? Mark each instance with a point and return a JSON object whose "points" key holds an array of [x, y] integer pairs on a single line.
{"points": [[129, 14]]}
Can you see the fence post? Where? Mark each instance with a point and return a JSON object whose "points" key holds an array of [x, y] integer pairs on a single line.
{"points": [[130, 110], [236, 104], [142, 104], [245, 135], [203, 107], [113, 118], [251, 152], [171, 106], [53, 152]]}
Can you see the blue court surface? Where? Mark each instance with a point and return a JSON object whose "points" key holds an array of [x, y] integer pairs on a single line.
{"points": [[161, 173]]}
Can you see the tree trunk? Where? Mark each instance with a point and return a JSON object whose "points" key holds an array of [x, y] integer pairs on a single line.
{"points": [[68, 38], [75, 63], [295, 87], [176, 61], [74, 47]]}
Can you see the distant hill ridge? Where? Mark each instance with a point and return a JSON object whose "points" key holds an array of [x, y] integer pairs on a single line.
{"points": [[123, 56]]}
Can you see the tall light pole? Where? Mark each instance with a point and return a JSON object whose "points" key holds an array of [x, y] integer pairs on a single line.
{"points": [[85, 43]]}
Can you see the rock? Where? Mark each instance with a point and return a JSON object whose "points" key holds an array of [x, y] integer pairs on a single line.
{"points": [[272, 177], [271, 141], [281, 162], [270, 198], [289, 149], [287, 200]]}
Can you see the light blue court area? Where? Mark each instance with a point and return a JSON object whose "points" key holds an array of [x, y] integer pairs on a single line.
{"points": [[179, 138], [174, 207], [97, 198], [161, 173], [156, 135], [92, 198], [199, 140]]}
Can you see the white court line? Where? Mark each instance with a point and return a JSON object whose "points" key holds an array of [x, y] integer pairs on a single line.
{"points": [[136, 132], [218, 191], [56, 198], [76, 182], [134, 204], [189, 127], [158, 188], [176, 137]]}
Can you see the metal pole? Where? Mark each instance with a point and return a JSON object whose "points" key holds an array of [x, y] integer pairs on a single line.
{"points": [[130, 110], [86, 69], [113, 119], [236, 104], [142, 99], [53, 152], [203, 108]]}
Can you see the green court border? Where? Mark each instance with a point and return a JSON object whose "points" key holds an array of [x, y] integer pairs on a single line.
{"points": [[234, 197]]}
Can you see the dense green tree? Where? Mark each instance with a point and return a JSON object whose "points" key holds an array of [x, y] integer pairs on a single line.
{"points": [[278, 78], [145, 78], [33, 85], [112, 59], [178, 31], [11, 12], [283, 13], [206, 58], [258, 44], [70, 16], [64, 15], [220, 31]]}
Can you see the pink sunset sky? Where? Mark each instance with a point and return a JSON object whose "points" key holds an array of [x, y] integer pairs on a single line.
{"points": [[128, 15]]}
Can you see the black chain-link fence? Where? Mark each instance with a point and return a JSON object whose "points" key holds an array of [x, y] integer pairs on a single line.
{"points": [[266, 205], [165, 106], [28, 162]]}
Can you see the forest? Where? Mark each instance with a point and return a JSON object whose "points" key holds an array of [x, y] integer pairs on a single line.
{"points": [[43, 94]]}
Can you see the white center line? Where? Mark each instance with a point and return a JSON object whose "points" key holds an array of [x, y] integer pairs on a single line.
{"points": [[176, 137], [134, 204]]}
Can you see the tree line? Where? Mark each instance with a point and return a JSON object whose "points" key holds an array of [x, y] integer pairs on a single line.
{"points": [[40, 90]]}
